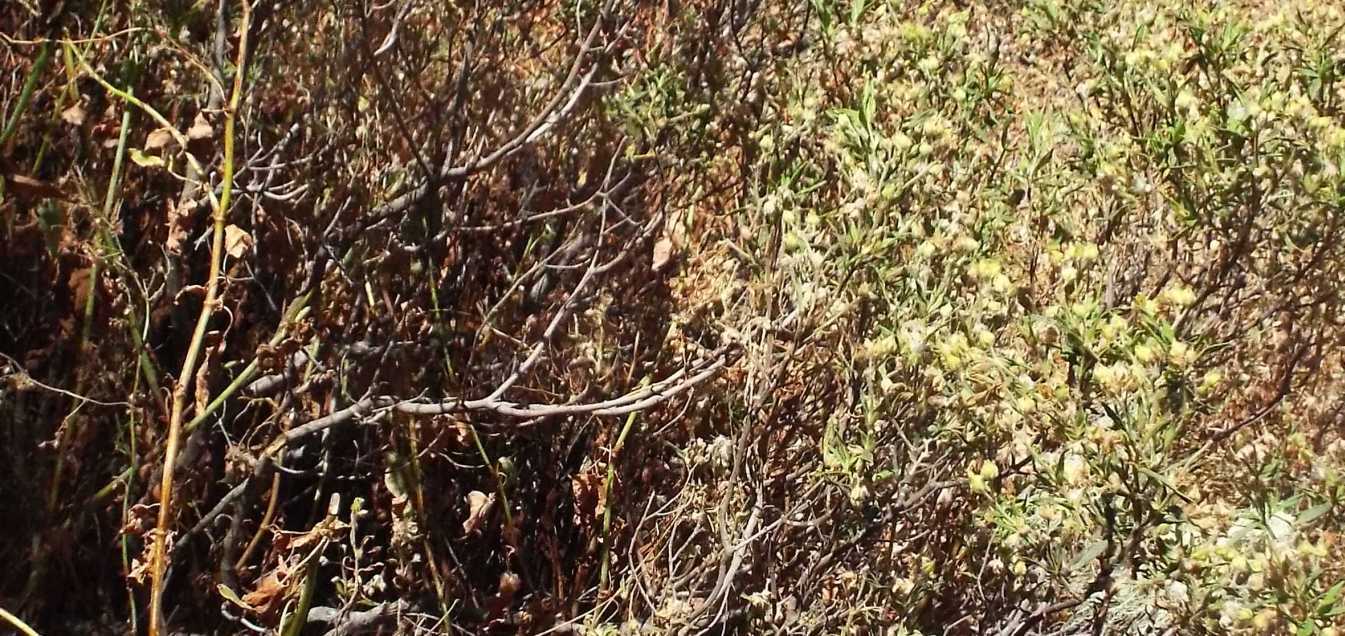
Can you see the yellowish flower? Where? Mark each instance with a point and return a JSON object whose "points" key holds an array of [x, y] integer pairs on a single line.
{"points": [[1144, 353], [1186, 101], [1181, 354], [1264, 619], [1074, 469], [1180, 296], [1146, 305], [1211, 380], [986, 269]]}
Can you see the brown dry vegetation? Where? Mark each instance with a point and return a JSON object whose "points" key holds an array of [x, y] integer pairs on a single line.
{"points": [[716, 316]]}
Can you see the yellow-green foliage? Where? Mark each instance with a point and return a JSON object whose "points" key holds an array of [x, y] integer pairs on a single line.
{"points": [[1080, 267]]}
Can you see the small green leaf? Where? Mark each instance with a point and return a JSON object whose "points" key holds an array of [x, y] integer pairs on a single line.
{"points": [[230, 596], [1311, 514], [856, 10], [146, 161], [1329, 599]]}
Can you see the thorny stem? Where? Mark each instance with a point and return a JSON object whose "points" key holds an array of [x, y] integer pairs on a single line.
{"points": [[159, 558]]}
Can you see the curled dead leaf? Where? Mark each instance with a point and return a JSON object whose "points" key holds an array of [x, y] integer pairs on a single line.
{"points": [[139, 571], [267, 590], [589, 498], [478, 507], [509, 584], [236, 241], [329, 528], [179, 225], [81, 282], [158, 139], [202, 392]]}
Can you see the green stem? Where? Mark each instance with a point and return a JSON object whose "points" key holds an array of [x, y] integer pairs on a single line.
{"points": [[606, 499], [26, 95], [126, 560], [295, 313], [499, 483], [294, 623]]}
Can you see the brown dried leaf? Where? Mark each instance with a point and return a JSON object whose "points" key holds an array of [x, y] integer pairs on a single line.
{"points": [[459, 434], [478, 507], [81, 282], [139, 519], [329, 528], [158, 139], [200, 128], [236, 241], [139, 571], [108, 129], [202, 394], [589, 499], [75, 115], [270, 587], [179, 225], [140, 566], [31, 188], [663, 254]]}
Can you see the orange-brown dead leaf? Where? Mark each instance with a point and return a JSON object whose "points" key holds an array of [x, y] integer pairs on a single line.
{"points": [[268, 589], [589, 499], [329, 528], [202, 393]]}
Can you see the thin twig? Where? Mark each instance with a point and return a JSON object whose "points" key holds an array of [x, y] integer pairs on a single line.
{"points": [[28, 378]]}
